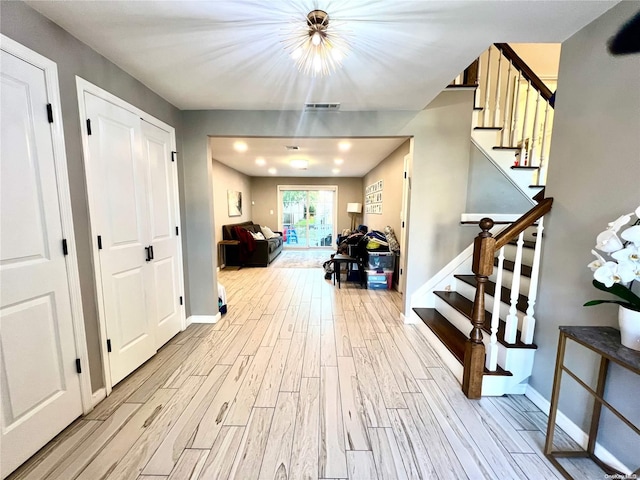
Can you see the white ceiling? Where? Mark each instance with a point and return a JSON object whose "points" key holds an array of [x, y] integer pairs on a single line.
{"points": [[321, 153], [229, 54]]}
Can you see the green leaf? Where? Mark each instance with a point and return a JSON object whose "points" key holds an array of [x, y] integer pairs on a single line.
{"points": [[620, 291], [624, 304]]}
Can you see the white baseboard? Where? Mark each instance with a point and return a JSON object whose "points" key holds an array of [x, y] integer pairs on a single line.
{"points": [[203, 318], [574, 431], [98, 396]]}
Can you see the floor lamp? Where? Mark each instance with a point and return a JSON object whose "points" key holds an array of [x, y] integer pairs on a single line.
{"points": [[353, 209]]}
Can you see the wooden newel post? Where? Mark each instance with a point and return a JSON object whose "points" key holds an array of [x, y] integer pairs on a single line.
{"points": [[483, 253]]}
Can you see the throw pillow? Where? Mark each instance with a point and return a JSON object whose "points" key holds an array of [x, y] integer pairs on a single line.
{"points": [[257, 236], [268, 233]]}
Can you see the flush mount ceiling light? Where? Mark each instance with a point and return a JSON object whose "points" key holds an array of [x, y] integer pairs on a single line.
{"points": [[260, 161], [240, 147], [317, 46], [299, 164]]}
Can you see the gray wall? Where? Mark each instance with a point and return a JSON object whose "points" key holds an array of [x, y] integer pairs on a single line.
{"points": [[390, 171], [226, 178], [489, 191], [265, 196], [594, 176], [26, 26], [440, 167]]}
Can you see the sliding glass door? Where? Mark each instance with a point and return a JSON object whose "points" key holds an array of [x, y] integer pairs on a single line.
{"points": [[307, 215]]}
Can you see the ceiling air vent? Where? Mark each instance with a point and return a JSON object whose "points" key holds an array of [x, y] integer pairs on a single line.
{"points": [[325, 107], [292, 148]]}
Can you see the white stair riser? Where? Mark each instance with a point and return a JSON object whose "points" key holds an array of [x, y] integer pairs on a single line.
{"points": [[510, 254], [470, 292], [497, 385], [507, 277]]}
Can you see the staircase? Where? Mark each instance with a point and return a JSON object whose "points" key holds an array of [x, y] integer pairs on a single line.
{"points": [[491, 351], [512, 117]]}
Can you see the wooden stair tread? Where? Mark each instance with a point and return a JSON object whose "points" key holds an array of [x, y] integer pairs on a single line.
{"points": [[524, 167], [488, 128], [525, 270], [490, 288], [527, 244], [465, 307], [463, 85], [450, 336], [497, 147]]}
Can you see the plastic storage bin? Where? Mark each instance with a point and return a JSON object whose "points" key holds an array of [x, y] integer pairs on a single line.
{"points": [[381, 261], [379, 280]]}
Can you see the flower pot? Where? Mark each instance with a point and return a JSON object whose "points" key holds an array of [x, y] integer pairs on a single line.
{"points": [[629, 321]]}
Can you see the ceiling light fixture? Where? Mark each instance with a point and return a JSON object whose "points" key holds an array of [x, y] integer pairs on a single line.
{"points": [[316, 47], [272, 171], [344, 146], [299, 164], [336, 170], [240, 147], [260, 161], [338, 161]]}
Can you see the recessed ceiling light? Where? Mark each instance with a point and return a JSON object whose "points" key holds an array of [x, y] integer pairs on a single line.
{"points": [[272, 171], [344, 146], [336, 170], [240, 147], [338, 161], [260, 161], [299, 164]]}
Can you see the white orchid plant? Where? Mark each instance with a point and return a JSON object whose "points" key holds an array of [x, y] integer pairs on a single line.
{"points": [[617, 275]]}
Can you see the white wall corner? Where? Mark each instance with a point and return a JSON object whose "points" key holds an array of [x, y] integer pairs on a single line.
{"points": [[575, 432], [204, 318]]}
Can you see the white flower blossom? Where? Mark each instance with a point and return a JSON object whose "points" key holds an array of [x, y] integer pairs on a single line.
{"points": [[632, 234], [630, 254], [620, 222], [608, 241], [597, 263], [611, 273]]}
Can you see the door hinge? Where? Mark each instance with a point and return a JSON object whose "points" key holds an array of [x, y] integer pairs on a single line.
{"points": [[180, 300], [99, 242], [88, 127], [400, 271], [174, 156], [65, 249], [405, 174], [78, 366], [50, 112], [177, 231], [109, 345], [402, 224]]}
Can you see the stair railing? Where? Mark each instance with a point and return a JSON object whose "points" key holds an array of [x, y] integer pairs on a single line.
{"points": [[476, 357], [512, 97]]}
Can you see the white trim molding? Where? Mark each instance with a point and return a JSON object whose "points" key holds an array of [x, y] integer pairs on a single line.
{"points": [[204, 318], [574, 431]]}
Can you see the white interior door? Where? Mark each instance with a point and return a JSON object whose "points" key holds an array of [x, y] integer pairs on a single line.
{"points": [[39, 382], [404, 221], [161, 197], [119, 217]]}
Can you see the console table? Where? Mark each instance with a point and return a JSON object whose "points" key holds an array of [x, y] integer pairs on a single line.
{"points": [[605, 341], [222, 251]]}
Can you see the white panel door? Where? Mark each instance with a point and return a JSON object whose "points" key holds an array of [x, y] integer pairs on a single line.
{"points": [[162, 200], [39, 383], [119, 215]]}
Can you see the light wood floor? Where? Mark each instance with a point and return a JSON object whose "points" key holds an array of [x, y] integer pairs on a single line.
{"points": [[300, 380]]}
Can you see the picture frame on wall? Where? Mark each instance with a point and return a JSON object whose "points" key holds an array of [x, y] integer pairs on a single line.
{"points": [[234, 201]]}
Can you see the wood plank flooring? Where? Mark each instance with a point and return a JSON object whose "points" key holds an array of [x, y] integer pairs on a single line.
{"points": [[299, 380]]}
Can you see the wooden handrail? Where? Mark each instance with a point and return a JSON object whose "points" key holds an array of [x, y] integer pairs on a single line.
{"points": [[526, 71], [524, 222]]}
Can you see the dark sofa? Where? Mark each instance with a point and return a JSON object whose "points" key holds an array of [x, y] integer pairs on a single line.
{"points": [[265, 250]]}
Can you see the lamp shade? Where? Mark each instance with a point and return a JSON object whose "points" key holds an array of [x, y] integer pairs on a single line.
{"points": [[354, 208]]}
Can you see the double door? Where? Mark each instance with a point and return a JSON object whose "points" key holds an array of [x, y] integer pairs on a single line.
{"points": [[131, 178], [307, 215]]}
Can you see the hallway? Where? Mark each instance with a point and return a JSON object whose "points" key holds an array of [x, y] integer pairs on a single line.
{"points": [[300, 380]]}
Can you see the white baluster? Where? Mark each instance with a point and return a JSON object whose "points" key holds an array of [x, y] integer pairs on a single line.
{"points": [[523, 151], [491, 361], [458, 80], [477, 97], [542, 176], [511, 328], [487, 82], [534, 137], [506, 122], [515, 118], [529, 321], [496, 110]]}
